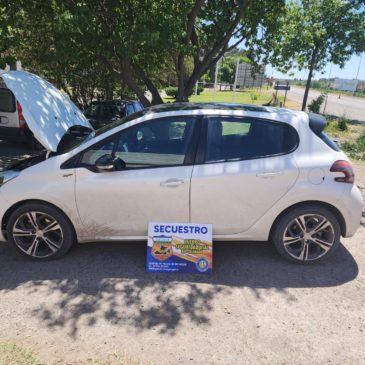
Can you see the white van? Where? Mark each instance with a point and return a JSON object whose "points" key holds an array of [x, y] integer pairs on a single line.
{"points": [[13, 126]]}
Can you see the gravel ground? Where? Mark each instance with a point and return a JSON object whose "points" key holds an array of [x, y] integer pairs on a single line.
{"points": [[254, 308]]}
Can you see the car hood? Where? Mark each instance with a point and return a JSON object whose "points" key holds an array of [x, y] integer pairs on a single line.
{"points": [[48, 112]]}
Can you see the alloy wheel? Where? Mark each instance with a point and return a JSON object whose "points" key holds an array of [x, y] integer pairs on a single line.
{"points": [[37, 234], [308, 237]]}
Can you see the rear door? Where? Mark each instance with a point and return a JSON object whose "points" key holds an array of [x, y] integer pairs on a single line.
{"points": [[8, 112], [245, 167]]}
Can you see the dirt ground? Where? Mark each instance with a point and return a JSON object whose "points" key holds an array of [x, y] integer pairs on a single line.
{"points": [[254, 309]]}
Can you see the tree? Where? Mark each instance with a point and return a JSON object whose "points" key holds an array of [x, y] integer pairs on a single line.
{"points": [[315, 32], [136, 42], [215, 27]]}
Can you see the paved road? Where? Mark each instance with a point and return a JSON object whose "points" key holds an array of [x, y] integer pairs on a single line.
{"points": [[255, 307], [350, 107]]}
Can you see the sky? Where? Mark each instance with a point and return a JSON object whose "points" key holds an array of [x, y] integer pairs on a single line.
{"points": [[348, 72]]}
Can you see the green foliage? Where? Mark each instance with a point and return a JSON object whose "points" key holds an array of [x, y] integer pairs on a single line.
{"points": [[200, 89], [90, 47], [316, 104], [253, 96], [337, 125], [313, 33], [342, 124], [355, 150], [12, 354], [171, 91]]}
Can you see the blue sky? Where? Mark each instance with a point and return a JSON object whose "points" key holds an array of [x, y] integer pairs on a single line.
{"points": [[348, 72]]}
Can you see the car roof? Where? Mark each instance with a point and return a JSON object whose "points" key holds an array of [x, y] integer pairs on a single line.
{"points": [[113, 101], [175, 107]]}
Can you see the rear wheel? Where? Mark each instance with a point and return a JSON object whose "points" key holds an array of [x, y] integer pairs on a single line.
{"points": [[306, 234], [40, 232]]}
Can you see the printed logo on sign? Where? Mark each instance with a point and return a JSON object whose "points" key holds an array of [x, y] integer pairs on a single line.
{"points": [[202, 265], [162, 248]]}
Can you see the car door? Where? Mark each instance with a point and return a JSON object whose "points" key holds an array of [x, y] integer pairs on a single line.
{"points": [[245, 167], [152, 186]]}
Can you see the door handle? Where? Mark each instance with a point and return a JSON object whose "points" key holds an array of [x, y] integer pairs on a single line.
{"points": [[267, 175], [172, 183]]}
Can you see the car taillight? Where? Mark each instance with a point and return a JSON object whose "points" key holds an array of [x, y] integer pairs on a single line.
{"points": [[344, 167], [22, 122]]}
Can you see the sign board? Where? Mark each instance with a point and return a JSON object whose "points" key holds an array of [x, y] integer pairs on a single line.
{"points": [[281, 87], [344, 84], [247, 76], [179, 247]]}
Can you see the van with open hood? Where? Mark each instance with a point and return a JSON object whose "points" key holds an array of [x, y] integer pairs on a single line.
{"points": [[49, 114]]}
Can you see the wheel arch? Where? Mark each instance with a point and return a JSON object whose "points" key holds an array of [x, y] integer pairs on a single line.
{"points": [[328, 206], [17, 205]]}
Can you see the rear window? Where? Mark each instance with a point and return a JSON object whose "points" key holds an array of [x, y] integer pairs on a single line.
{"points": [[7, 101], [247, 138]]}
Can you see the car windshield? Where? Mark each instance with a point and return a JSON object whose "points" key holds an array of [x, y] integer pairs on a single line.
{"points": [[126, 119], [85, 136], [103, 110]]}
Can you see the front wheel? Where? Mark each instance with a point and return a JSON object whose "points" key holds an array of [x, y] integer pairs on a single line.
{"points": [[40, 232], [306, 234]]}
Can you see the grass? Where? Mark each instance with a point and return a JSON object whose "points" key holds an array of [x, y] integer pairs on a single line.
{"points": [[249, 96], [12, 354], [350, 136]]}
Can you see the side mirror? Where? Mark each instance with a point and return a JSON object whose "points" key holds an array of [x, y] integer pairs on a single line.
{"points": [[109, 163]]}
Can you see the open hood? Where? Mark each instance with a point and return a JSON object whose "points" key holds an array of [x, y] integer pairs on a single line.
{"points": [[48, 112]]}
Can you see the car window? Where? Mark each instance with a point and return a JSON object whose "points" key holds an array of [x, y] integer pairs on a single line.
{"points": [[245, 138], [98, 150], [7, 101], [137, 106], [130, 108], [161, 142], [103, 110]]}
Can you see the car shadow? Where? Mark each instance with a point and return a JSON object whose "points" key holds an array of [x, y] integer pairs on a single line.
{"points": [[108, 281]]}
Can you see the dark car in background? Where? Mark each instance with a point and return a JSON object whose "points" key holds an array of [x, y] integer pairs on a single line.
{"points": [[101, 113]]}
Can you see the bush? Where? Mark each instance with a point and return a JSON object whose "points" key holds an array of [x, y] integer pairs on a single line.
{"points": [[355, 150], [316, 104], [253, 96], [171, 91], [200, 89], [342, 124]]}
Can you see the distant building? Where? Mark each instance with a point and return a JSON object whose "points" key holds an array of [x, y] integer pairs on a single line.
{"points": [[344, 84], [246, 77]]}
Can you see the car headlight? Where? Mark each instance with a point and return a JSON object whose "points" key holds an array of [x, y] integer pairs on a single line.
{"points": [[6, 176]]}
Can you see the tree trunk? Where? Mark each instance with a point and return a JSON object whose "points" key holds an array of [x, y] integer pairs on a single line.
{"points": [[127, 75], [181, 94], [156, 97], [309, 79]]}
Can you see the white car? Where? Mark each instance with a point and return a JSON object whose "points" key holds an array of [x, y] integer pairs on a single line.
{"points": [[255, 173]]}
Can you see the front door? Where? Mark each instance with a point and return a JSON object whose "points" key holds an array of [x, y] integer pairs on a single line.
{"points": [[153, 186]]}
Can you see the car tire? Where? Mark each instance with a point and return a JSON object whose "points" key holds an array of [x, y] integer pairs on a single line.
{"points": [[306, 234], [40, 232]]}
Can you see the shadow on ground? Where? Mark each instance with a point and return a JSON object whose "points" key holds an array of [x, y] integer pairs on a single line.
{"points": [[108, 281]]}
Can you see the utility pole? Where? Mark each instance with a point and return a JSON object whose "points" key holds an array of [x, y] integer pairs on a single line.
{"points": [[216, 79], [328, 86], [235, 79], [358, 71]]}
